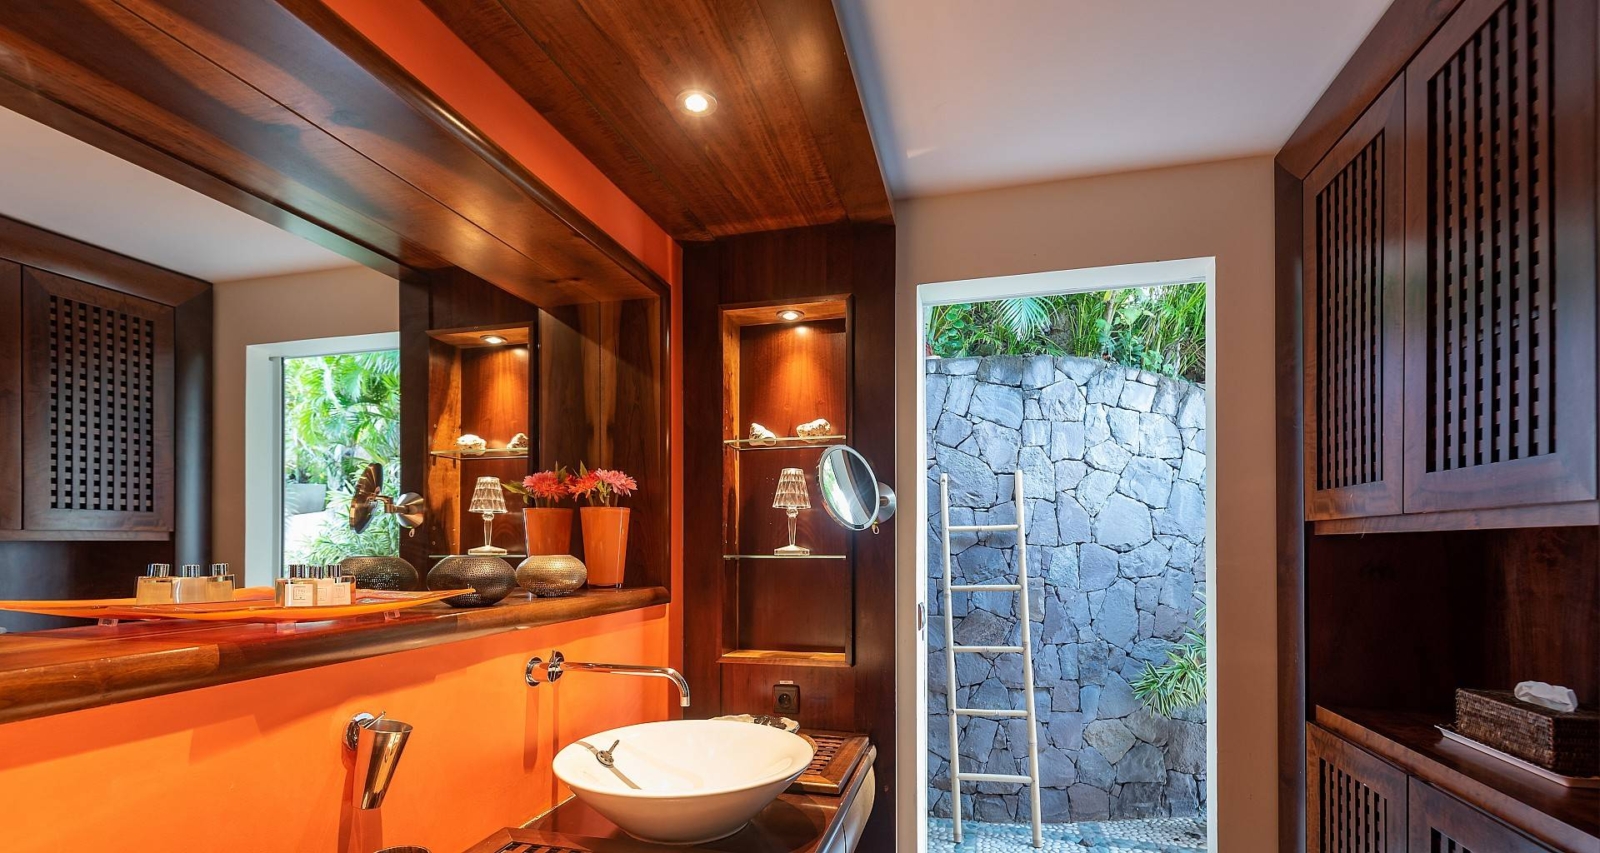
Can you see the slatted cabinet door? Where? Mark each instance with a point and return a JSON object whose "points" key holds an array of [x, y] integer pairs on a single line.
{"points": [[97, 408], [1440, 823], [1354, 357], [1500, 264], [10, 395], [1355, 803]]}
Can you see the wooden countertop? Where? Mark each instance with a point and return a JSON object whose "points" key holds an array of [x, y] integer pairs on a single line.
{"points": [[53, 672], [793, 823]]}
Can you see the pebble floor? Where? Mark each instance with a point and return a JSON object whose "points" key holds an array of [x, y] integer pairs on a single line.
{"points": [[1159, 835]]}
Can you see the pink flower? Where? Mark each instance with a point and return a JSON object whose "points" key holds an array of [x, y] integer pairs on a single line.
{"points": [[601, 486], [618, 482]]}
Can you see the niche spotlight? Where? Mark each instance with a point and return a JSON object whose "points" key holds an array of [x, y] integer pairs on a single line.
{"points": [[493, 340], [789, 315]]}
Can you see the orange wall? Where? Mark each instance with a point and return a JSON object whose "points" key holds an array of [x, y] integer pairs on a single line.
{"points": [[260, 764]]}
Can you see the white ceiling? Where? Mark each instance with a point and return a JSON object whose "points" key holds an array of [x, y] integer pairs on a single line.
{"points": [[969, 94], [52, 180]]}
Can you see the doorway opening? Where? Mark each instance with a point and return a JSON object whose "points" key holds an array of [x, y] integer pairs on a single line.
{"points": [[1093, 384]]}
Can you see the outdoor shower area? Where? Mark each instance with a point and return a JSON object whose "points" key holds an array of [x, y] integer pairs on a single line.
{"points": [[1098, 399]]}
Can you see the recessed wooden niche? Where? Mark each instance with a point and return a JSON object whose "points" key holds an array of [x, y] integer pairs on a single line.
{"points": [[782, 373], [481, 388]]}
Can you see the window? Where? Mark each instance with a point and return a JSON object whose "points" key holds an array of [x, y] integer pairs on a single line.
{"points": [[318, 412]]}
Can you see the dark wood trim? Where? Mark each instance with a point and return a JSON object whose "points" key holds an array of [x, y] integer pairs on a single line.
{"points": [[194, 381], [46, 250], [415, 318], [1287, 343], [325, 23], [1581, 514], [10, 397], [86, 536], [20, 99], [1397, 37], [1565, 818], [55, 672]]}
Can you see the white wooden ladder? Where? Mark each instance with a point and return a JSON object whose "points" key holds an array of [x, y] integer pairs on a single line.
{"points": [[1026, 650]]}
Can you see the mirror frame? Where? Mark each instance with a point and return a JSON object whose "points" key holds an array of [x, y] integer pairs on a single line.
{"points": [[883, 498]]}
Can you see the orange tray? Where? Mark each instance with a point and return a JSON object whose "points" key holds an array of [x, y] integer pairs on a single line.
{"points": [[252, 604]]}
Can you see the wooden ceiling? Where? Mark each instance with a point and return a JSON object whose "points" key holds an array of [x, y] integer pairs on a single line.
{"points": [[282, 110], [787, 146]]}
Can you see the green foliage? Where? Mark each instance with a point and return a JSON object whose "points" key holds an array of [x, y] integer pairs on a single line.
{"points": [[1160, 329], [340, 413], [1181, 681]]}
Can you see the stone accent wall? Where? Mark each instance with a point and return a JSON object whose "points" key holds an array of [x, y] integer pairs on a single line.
{"points": [[1114, 463]]}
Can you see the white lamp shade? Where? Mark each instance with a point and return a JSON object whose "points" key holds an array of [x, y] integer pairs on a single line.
{"points": [[487, 497]]}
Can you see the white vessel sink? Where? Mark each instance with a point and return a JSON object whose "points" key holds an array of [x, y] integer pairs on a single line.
{"points": [[699, 780]]}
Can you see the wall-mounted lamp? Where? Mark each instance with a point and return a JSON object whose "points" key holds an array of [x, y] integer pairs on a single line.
{"points": [[789, 315]]}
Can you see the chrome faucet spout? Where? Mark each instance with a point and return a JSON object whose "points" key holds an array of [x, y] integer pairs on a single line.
{"points": [[558, 666]]}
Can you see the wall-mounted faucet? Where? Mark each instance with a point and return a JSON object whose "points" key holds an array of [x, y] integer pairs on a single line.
{"points": [[559, 664], [378, 743]]}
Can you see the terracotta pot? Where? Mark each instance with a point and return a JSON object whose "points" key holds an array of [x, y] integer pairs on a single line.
{"points": [[605, 543], [548, 530]]}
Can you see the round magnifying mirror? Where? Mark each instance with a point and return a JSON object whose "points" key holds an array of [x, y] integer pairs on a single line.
{"points": [[850, 491]]}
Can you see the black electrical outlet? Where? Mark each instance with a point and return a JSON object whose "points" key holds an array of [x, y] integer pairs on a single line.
{"points": [[786, 699]]}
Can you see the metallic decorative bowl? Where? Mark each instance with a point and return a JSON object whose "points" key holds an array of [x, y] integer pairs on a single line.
{"points": [[552, 575], [492, 577], [391, 573]]}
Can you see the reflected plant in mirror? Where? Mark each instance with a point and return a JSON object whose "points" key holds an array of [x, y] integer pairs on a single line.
{"points": [[340, 413]]}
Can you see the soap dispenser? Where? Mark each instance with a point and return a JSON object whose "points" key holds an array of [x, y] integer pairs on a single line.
{"points": [[156, 587], [221, 586], [191, 586]]}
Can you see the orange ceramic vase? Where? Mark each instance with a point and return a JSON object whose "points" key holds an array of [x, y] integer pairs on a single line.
{"points": [[548, 530], [605, 543]]}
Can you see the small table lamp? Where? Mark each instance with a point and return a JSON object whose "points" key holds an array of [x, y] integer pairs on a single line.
{"points": [[490, 501], [791, 496]]}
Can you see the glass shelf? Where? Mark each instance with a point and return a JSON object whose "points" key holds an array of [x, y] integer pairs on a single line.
{"points": [[782, 557], [490, 453], [501, 556], [784, 443]]}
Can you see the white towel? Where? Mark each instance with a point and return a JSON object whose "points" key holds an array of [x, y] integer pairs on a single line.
{"points": [[1547, 695]]}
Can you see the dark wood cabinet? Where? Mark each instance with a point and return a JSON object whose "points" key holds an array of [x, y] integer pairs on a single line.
{"points": [[1355, 802], [1448, 275], [97, 407], [1354, 230], [1500, 263], [1440, 823]]}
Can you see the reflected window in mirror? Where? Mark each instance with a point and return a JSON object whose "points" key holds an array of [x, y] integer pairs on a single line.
{"points": [[341, 413]]}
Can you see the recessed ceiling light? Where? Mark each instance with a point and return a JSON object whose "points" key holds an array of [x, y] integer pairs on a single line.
{"points": [[790, 315], [697, 102], [495, 340]]}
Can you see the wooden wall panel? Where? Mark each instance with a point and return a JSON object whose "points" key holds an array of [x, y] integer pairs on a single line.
{"points": [[771, 269]]}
